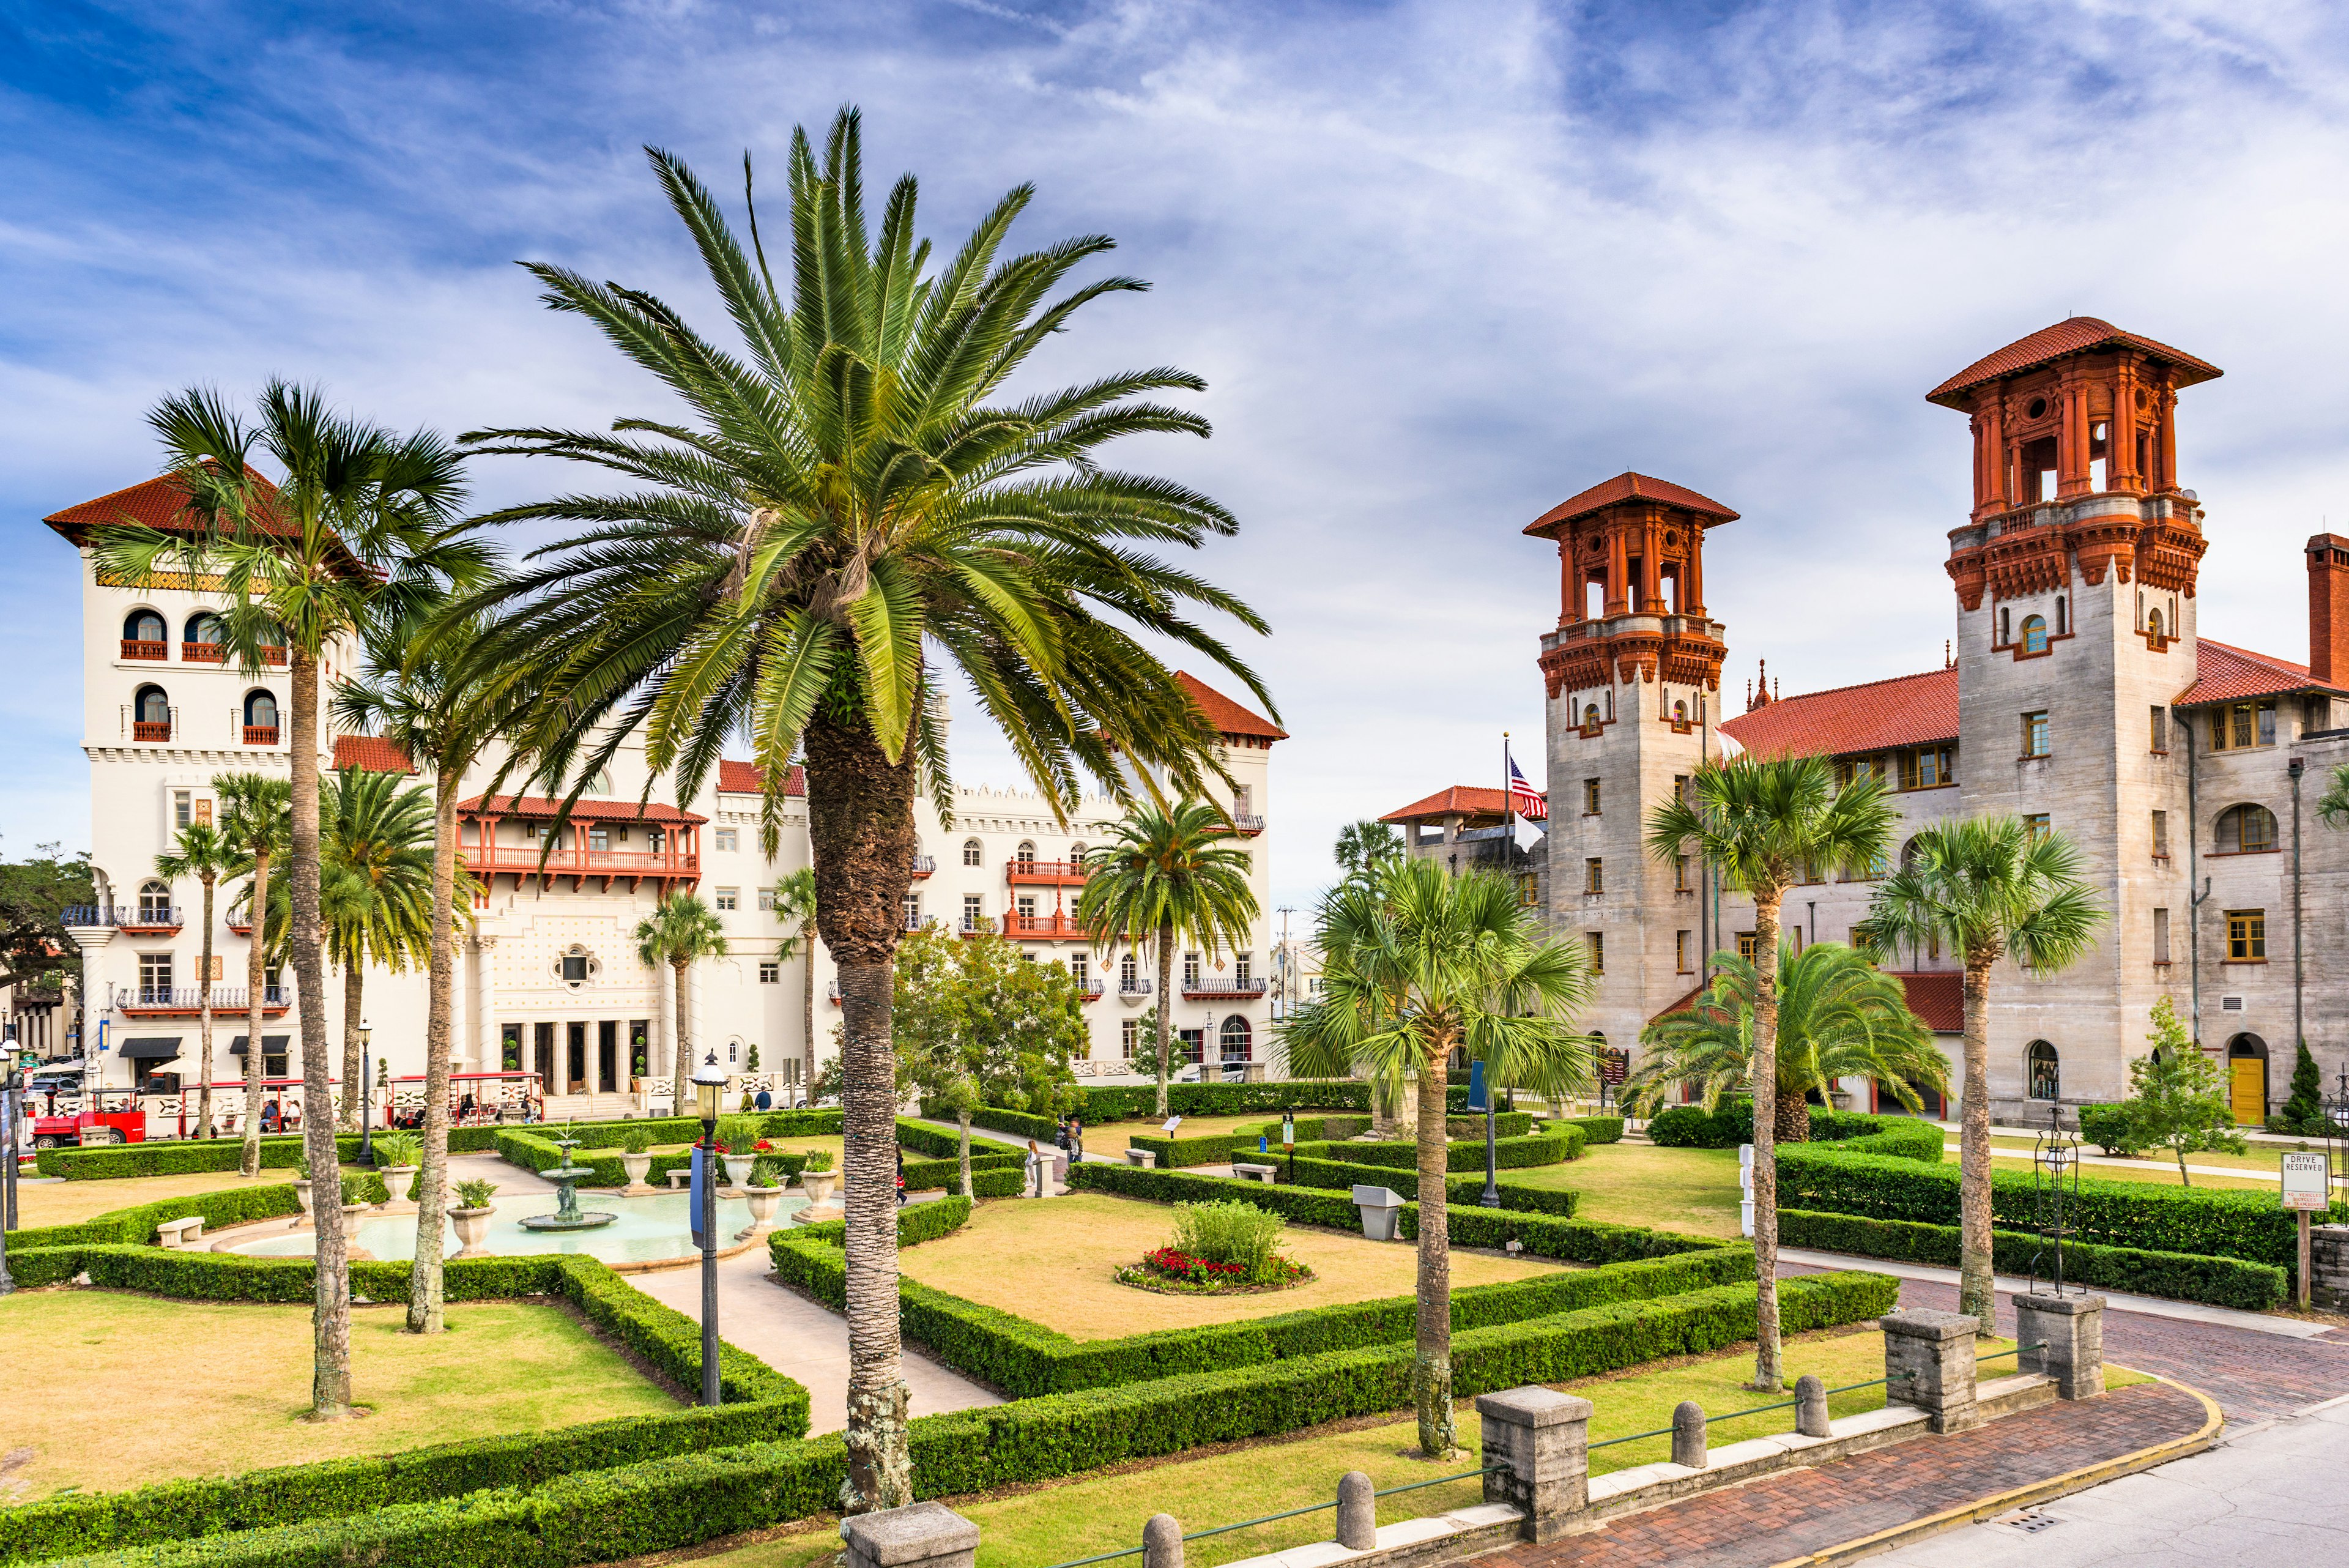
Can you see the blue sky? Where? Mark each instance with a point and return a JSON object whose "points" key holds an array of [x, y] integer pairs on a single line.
{"points": [[1441, 265]]}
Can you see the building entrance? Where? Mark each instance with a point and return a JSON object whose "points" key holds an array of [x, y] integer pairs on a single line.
{"points": [[2247, 1079]]}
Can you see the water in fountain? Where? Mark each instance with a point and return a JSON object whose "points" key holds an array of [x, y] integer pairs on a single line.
{"points": [[568, 1215]]}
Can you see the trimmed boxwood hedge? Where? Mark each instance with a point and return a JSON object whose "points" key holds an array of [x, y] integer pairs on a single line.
{"points": [[2180, 1276], [681, 1502], [1458, 1190], [1596, 1130], [1694, 1127], [1466, 1154], [136, 1225], [178, 1157], [533, 1149]]}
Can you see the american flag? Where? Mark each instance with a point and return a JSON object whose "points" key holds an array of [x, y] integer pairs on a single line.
{"points": [[1526, 800]]}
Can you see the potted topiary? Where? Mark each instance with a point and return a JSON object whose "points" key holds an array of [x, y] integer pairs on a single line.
{"points": [[765, 1192], [472, 1218], [816, 1175], [398, 1157], [738, 1137], [636, 1156]]}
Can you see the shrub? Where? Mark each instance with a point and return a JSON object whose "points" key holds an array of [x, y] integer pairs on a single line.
{"points": [[1458, 1190], [1596, 1130], [737, 1135], [817, 1160], [2108, 1128], [1235, 1233], [476, 1194], [1509, 1153], [176, 1157], [397, 1148], [765, 1171], [637, 1141]]}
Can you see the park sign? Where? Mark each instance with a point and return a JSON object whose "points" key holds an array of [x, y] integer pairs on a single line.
{"points": [[2307, 1180]]}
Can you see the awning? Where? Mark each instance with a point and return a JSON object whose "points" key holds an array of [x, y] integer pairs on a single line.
{"points": [[151, 1049], [271, 1044]]}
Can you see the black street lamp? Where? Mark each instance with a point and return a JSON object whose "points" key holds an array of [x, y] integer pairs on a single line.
{"points": [[366, 1096], [709, 1085], [11, 1091]]}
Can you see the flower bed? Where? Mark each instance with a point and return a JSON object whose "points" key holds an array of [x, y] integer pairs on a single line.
{"points": [[1171, 1273]]}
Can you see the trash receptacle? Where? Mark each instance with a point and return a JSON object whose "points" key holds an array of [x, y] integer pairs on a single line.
{"points": [[1379, 1207]]}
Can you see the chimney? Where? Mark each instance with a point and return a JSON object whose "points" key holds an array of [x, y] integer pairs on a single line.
{"points": [[2328, 609]]}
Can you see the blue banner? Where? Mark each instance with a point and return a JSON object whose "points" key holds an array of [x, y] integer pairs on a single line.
{"points": [[1476, 1101], [701, 1177]]}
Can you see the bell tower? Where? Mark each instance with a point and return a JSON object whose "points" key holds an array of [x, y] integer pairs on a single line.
{"points": [[1632, 672]]}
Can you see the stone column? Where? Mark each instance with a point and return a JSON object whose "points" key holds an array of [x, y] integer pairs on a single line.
{"points": [[920, 1535], [664, 1023], [92, 940], [1619, 572], [1928, 1362], [1544, 1438], [2071, 1331], [489, 1052]]}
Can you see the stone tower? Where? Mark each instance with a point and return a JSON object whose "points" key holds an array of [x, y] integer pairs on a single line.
{"points": [[1633, 678], [2075, 581]]}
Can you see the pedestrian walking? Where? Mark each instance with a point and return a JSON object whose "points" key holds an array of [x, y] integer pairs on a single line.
{"points": [[900, 1178], [1035, 1167], [1076, 1139]]}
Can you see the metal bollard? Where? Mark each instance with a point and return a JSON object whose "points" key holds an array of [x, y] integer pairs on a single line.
{"points": [[1688, 1435], [1162, 1542], [1810, 1407], [1357, 1512]]}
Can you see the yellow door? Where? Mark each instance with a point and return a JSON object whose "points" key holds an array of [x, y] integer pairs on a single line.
{"points": [[2251, 1091]]}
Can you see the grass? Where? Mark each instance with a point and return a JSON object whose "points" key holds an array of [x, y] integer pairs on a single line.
{"points": [[2262, 1157], [44, 1202], [2160, 1167], [1051, 1263], [1112, 1138], [1688, 1190], [1083, 1517], [118, 1390]]}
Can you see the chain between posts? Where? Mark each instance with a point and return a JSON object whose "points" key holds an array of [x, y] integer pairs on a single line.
{"points": [[1292, 1513]]}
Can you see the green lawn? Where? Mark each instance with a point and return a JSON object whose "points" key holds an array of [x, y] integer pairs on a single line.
{"points": [[2014, 1154], [1689, 1189]]}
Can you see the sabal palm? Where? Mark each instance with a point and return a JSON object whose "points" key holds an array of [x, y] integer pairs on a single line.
{"points": [[442, 723], [202, 851], [256, 818], [845, 498], [1989, 887], [1170, 877], [1362, 845], [795, 909], [2333, 806], [1416, 964], [1767, 825], [360, 528], [680, 931], [1838, 1017]]}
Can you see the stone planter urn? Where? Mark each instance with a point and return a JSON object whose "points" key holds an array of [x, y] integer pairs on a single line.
{"points": [[738, 1168], [473, 1229], [638, 1165], [351, 1209], [763, 1202], [817, 1184], [396, 1181], [302, 1196]]}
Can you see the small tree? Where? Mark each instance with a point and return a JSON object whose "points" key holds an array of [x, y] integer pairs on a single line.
{"points": [[2181, 1099], [1362, 846], [2305, 1104]]}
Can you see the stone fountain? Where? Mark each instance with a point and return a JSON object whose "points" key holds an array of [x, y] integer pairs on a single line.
{"points": [[567, 1215]]}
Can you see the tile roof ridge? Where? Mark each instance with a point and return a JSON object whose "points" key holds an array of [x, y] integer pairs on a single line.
{"points": [[1854, 686]]}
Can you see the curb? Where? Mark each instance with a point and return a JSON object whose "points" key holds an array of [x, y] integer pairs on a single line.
{"points": [[2038, 1491]]}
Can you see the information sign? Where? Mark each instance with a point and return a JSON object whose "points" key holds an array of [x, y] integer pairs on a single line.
{"points": [[2307, 1180]]}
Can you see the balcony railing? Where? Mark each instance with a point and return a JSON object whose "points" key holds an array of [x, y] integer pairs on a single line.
{"points": [[124, 916], [151, 730], [261, 734], [1139, 985], [1034, 927], [1225, 985], [191, 1000], [582, 859], [241, 925], [141, 647], [1092, 986], [925, 865], [1045, 873], [1251, 825], [203, 653]]}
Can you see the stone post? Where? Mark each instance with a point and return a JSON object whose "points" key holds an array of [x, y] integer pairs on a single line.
{"points": [[921, 1536], [1543, 1436], [1810, 1406], [2328, 1265], [1357, 1512], [1162, 1542], [1928, 1362], [1688, 1434], [2071, 1331]]}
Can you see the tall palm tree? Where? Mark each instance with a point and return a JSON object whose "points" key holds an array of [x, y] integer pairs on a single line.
{"points": [[1768, 825], [443, 723], [846, 497], [1991, 888], [681, 930], [1362, 845], [204, 852], [256, 818], [375, 844], [795, 909], [360, 528], [1174, 877], [1417, 964], [1838, 1017]]}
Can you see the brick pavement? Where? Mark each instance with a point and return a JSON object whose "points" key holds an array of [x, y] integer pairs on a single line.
{"points": [[1790, 1513]]}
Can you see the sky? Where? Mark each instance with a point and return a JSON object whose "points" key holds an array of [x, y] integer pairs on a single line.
{"points": [[1442, 266]]}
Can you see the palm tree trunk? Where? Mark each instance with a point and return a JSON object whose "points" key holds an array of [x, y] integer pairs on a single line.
{"points": [[1792, 1124], [1977, 1285], [1768, 1374], [962, 1152], [348, 1121], [256, 970], [424, 1280], [682, 1041], [330, 1317], [1165, 1011], [1431, 1372], [205, 1021], [807, 1013]]}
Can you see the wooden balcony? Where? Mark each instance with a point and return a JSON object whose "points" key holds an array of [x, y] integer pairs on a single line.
{"points": [[1043, 928], [137, 648], [151, 730], [203, 653], [582, 863], [261, 734], [1044, 873]]}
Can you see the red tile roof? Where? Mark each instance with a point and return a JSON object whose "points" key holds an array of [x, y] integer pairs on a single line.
{"points": [[1682, 1005], [162, 503], [2075, 336], [1226, 715], [370, 755], [2223, 673], [1628, 486], [539, 805], [744, 778], [1906, 710], [1937, 998], [1463, 800]]}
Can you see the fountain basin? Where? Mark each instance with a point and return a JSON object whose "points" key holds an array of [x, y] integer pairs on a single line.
{"points": [[652, 1228]]}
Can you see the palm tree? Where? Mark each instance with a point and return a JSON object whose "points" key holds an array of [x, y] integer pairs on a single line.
{"points": [[681, 930], [442, 722], [1171, 877], [1768, 825], [1417, 964], [1362, 845], [1991, 887], [255, 819], [359, 530], [846, 504], [2333, 806], [375, 843], [795, 909], [204, 852], [1838, 1017]]}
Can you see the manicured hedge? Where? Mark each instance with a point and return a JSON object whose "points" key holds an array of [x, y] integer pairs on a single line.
{"points": [[1458, 1190], [533, 1149], [136, 1225], [178, 1157], [1596, 1130], [1692, 1126], [2180, 1276], [1508, 1153]]}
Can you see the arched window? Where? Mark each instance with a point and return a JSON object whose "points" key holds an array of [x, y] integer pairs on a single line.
{"points": [[2153, 625], [1025, 853], [1076, 854], [1590, 715], [598, 782], [1128, 973], [154, 903], [151, 714], [2247, 830], [2042, 1073], [206, 628], [145, 627], [260, 709], [2034, 634], [1238, 1038], [1680, 712], [971, 851]]}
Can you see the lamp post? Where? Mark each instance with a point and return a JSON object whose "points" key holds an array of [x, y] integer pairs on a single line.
{"points": [[367, 1095], [11, 1085], [709, 1085]]}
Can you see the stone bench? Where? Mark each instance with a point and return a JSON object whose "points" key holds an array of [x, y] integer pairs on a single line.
{"points": [[1147, 1159], [1266, 1174], [681, 1176], [180, 1232]]}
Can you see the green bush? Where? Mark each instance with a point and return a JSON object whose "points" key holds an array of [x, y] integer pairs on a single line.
{"points": [[476, 1194], [1458, 1190], [397, 1148], [136, 1225], [817, 1160], [637, 1141], [1508, 1153], [2107, 1126], [2181, 1276], [1596, 1130], [176, 1157], [1228, 1232]]}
